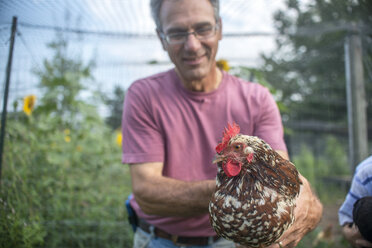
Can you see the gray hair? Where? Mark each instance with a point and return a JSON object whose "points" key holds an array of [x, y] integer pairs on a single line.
{"points": [[155, 6]]}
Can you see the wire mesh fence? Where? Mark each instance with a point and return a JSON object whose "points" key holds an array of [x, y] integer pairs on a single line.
{"points": [[305, 67]]}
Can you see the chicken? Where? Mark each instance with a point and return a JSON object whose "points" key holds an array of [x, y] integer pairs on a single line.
{"points": [[256, 191]]}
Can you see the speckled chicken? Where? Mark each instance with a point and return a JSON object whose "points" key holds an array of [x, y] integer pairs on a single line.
{"points": [[256, 191]]}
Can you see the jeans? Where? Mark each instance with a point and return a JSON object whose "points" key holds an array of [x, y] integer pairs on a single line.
{"points": [[143, 239]]}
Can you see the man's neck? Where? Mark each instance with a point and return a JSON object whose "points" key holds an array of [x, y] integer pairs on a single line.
{"points": [[207, 84]]}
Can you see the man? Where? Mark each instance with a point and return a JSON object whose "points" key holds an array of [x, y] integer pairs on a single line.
{"points": [[361, 187], [173, 120]]}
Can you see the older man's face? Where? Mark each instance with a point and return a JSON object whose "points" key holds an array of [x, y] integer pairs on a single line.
{"points": [[194, 58]]}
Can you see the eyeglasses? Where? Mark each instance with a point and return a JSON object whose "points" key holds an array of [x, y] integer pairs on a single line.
{"points": [[180, 37]]}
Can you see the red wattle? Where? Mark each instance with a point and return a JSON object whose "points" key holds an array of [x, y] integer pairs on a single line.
{"points": [[231, 169]]}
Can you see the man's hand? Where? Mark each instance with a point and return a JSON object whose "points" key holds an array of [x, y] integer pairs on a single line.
{"points": [[307, 213], [353, 236]]}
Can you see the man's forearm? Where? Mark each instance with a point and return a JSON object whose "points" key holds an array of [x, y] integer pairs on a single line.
{"points": [[160, 195], [171, 197]]}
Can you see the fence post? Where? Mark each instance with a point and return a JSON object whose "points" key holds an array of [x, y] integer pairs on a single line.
{"points": [[6, 89], [356, 100]]}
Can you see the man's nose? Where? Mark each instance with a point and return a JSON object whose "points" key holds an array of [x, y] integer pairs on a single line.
{"points": [[192, 43]]}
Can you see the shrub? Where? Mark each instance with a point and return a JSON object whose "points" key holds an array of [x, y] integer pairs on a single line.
{"points": [[63, 187], [63, 183]]}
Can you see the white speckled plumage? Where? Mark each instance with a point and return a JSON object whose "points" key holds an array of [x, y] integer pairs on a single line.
{"points": [[256, 206]]}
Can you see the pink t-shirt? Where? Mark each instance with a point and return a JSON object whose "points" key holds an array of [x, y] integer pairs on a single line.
{"points": [[164, 122]]}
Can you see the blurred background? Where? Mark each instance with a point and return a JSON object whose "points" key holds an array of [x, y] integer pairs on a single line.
{"points": [[66, 65]]}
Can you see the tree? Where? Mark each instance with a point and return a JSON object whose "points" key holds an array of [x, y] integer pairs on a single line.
{"points": [[308, 67]]}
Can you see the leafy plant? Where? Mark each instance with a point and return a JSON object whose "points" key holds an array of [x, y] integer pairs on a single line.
{"points": [[63, 182]]}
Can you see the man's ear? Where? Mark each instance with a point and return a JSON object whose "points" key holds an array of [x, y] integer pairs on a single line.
{"points": [[163, 42]]}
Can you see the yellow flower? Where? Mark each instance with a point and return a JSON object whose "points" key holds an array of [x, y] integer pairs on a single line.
{"points": [[67, 139], [223, 64], [119, 139], [29, 104], [67, 131]]}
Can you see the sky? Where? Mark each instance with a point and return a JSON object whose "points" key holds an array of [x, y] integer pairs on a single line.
{"points": [[119, 36], [238, 16]]}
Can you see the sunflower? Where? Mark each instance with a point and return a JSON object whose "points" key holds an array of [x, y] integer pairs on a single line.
{"points": [[29, 104], [223, 64], [67, 139], [119, 139]]}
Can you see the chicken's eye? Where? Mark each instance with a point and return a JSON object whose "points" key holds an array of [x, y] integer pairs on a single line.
{"points": [[237, 147]]}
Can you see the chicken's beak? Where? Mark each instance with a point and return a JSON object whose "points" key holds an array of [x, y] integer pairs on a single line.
{"points": [[218, 158]]}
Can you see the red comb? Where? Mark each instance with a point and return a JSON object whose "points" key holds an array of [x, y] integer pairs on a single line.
{"points": [[228, 133]]}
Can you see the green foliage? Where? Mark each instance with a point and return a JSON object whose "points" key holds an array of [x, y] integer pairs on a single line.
{"points": [[308, 67], [307, 164], [59, 180], [63, 183], [15, 231], [115, 105], [62, 80], [317, 170], [336, 158], [332, 162], [256, 75]]}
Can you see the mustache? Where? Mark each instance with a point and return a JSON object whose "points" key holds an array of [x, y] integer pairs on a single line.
{"points": [[196, 54]]}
